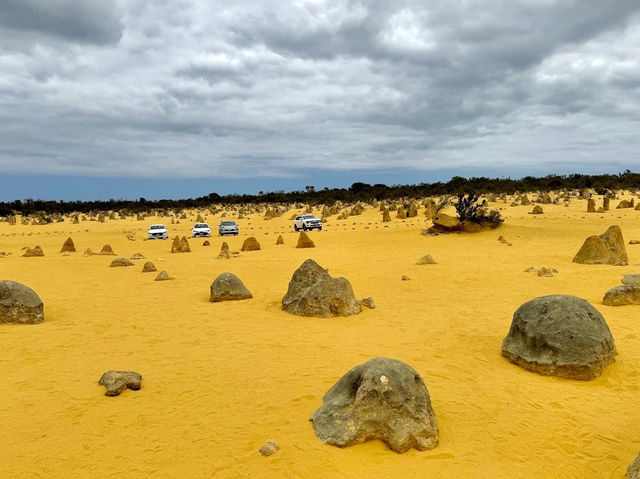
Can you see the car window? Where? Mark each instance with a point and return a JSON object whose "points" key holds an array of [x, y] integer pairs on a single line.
{"points": [[298, 217], [157, 227]]}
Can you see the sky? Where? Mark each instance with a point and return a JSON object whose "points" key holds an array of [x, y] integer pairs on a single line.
{"points": [[178, 98]]}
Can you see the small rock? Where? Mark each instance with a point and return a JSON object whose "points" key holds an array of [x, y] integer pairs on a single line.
{"points": [[546, 272], [428, 259], [149, 267], [250, 244], [269, 448], [68, 246], [117, 381], [530, 269], [120, 262], [32, 252], [280, 240], [304, 241], [368, 303], [162, 276], [137, 256], [107, 250], [631, 279], [405, 277], [228, 287], [206, 243], [622, 295]]}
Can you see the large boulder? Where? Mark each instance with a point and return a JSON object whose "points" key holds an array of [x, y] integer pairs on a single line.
{"points": [[19, 304], [607, 248], [383, 399], [68, 246], [313, 292], [117, 381], [227, 287], [250, 244], [560, 335], [622, 294]]}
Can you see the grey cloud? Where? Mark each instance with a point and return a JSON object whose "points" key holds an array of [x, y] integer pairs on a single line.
{"points": [[86, 21]]}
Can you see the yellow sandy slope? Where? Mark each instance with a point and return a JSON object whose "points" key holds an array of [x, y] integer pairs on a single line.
{"points": [[220, 379]]}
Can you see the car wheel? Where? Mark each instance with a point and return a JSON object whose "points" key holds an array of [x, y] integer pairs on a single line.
{"points": [[295, 227]]}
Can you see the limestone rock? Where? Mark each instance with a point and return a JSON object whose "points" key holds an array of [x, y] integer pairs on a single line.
{"points": [[19, 304], [269, 448], [117, 381], [428, 259], [547, 272], [607, 248], [149, 267], [206, 243], [107, 250], [304, 241], [383, 399], [631, 279], [88, 252], [120, 262], [634, 241], [530, 269], [162, 276], [560, 335], [224, 251], [386, 216], [137, 256], [68, 246], [32, 252], [180, 245], [250, 244], [227, 287], [313, 292], [280, 240], [633, 471], [591, 205], [537, 210], [622, 294], [405, 277], [368, 303]]}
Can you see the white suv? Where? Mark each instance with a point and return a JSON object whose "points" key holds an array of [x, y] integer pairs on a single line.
{"points": [[307, 222], [201, 229], [157, 232]]}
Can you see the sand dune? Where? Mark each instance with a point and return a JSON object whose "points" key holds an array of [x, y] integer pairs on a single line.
{"points": [[221, 379]]}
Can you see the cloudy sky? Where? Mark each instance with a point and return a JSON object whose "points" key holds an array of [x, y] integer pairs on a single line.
{"points": [[184, 97]]}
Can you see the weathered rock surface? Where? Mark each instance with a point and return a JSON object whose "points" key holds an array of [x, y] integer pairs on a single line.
{"points": [[250, 244], [19, 304], [537, 210], [560, 335], [180, 245], [591, 205], [386, 216], [368, 303], [607, 248], [269, 448], [313, 292], [280, 240], [622, 295], [633, 471], [304, 241], [149, 267], [383, 399], [227, 287], [68, 246], [163, 276], [428, 259], [224, 251], [121, 262], [117, 381], [107, 250], [631, 279], [32, 252]]}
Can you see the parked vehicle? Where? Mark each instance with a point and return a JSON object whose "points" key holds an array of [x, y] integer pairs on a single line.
{"points": [[307, 222], [200, 229], [228, 228], [157, 232]]}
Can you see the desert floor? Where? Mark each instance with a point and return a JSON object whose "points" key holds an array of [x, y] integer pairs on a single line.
{"points": [[220, 379]]}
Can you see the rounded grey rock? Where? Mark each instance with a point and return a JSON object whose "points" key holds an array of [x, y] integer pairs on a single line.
{"points": [[19, 304], [227, 287]]}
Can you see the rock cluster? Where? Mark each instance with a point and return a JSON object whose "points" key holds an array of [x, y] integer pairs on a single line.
{"points": [[560, 335], [313, 292], [19, 304], [383, 399], [35, 251]]}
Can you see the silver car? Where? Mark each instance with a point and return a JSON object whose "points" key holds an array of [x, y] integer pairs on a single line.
{"points": [[228, 228]]}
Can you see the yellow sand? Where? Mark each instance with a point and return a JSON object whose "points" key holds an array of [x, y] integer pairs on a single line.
{"points": [[220, 379]]}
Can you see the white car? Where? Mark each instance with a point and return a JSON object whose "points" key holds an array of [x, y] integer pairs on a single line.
{"points": [[201, 229], [307, 222], [157, 232]]}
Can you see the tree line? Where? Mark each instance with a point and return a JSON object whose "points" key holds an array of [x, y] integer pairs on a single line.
{"points": [[356, 192]]}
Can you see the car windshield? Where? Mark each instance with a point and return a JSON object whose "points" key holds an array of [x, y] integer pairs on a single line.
{"points": [[228, 223], [157, 227], [308, 217], [201, 225]]}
